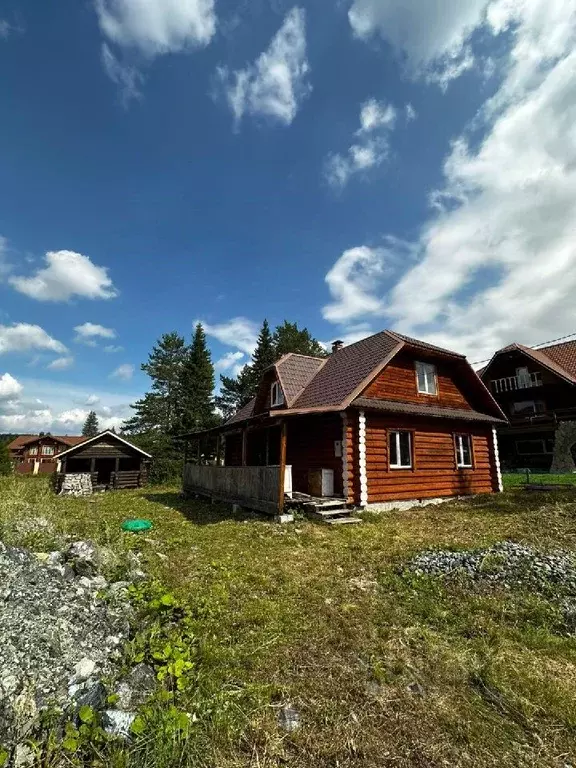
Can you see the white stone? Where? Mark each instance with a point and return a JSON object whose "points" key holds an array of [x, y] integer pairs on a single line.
{"points": [[84, 669], [118, 723]]}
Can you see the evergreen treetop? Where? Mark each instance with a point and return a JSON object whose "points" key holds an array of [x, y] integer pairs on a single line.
{"points": [[197, 385], [91, 426]]}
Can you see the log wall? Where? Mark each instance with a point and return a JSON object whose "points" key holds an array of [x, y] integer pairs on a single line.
{"points": [[398, 382], [434, 472], [311, 446]]}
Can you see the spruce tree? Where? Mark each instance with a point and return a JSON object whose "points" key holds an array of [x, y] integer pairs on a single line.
{"points": [[289, 338], [197, 385], [264, 355], [234, 393], [5, 460], [91, 426], [160, 410]]}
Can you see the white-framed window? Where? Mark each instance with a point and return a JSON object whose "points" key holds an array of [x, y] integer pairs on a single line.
{"points": [[426, 378], [463, 445], [47, 450], [400, 448], [276, 394], [33, 451]]}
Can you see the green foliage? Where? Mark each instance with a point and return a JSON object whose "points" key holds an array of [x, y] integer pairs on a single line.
{"points": [[197, 386], [91, 427], [5, 460], [164, 470], [234, 393], [289, 338]]}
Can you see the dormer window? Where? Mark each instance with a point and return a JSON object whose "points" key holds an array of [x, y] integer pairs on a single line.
{"points": [[426, 378], [276, 395]]}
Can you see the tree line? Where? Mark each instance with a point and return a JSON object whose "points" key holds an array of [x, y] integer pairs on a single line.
{"points": [[182, 396]]}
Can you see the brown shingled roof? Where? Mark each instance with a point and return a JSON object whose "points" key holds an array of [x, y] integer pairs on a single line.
{"points": [[295, 372], [564, 355], [559, 361], [246, 412], [22, 440], [346, 371]]}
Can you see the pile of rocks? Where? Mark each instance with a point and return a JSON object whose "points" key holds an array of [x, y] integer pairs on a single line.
{"points": [[507, 564], [59, 637], [79, 484]]}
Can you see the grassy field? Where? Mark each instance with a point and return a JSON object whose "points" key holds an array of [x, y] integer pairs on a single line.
{"points": [[384, 669], [513, 480]]}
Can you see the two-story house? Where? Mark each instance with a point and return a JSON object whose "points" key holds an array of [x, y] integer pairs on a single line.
{"points": [[386, 420], [38, 454], [536, 389]]}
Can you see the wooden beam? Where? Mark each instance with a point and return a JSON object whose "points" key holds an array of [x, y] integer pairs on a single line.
{"points": [[283, 441], [244, 447]]}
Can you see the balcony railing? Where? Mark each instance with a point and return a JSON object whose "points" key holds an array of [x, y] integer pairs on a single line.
{"points": [[512, 383], [253, 487]]}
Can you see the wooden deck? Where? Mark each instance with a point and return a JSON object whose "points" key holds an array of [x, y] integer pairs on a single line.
{"points": [[253, 487]]}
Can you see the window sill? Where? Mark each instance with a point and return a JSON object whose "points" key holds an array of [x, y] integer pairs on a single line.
{"points": [[395, 466]]}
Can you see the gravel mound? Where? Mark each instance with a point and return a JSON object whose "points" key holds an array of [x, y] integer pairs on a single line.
{"points": [[58, 637], [507, 564]]}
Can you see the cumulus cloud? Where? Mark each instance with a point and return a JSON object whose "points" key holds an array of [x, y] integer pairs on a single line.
{"points": [[239, 332], [430, 37], [231, 362], [87, 333], [351, 283], [156, 27], [111, 349], [370, 147], [23, 337], [66, 274], [92, 400], [276, 84], [124, 372], [61, 363], [496, 260], [10, 387]]}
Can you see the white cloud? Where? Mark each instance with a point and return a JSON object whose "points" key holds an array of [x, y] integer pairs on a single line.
{"points": [[370, 147], [431, 36], [239, 332], [124, 372], [113, 348], [87, 333], [275, 85], [5, 28], [351, 282], [229, 360], [411, 113], [92, 400], [65, 275], [496, 260], [125, 76], [30, 421], [22, 337], [61, 363], [10, 387], [156, 27]]}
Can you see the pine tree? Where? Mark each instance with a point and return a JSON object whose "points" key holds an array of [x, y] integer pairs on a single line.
{"points": [[234, 393], [5, 460], [197, 385], [160, 409], [264, 355], [91, 426], [289, 338]]}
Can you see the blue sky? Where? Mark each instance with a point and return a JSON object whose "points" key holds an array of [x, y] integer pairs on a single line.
{"points": [[351, 166]]}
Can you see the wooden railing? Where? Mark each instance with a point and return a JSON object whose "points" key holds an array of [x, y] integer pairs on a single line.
{"points": [[512, 383], [254, 487]]}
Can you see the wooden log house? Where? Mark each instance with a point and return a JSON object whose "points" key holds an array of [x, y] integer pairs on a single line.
{"points": [[388, 420], [112, 461]]}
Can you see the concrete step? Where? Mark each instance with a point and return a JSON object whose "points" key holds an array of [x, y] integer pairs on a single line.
{"points": [[325, 513], [343, 521]]}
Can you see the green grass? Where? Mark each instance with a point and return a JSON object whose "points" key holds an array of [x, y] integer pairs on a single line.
{"points": [[512, 480], [385, 670]]}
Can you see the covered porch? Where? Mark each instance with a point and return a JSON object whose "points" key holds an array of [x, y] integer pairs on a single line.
{"points": [[265, 463]]}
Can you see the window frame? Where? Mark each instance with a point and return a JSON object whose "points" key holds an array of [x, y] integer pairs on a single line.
{"points": [[276, 389], [48, 450], [459, 450], [426, 366], [33, 451], [399, 432]]}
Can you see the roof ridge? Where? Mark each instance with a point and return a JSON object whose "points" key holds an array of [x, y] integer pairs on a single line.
{"points": [[299, 354]]}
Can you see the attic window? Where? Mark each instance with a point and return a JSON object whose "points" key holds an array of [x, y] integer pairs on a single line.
{"points": [[276, 395], [426, 378]]}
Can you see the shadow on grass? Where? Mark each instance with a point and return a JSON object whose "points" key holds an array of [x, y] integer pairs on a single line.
{"points": [[517, 498], [201, 511]]}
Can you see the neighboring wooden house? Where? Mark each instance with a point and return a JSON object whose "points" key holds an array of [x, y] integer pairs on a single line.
{"points": [[112, 461], [38, 454], [385, 420], [536, 388]]}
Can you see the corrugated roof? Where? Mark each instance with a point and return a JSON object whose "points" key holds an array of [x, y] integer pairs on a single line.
{"points": [[295, 372], [346, 370], [433, 411]]}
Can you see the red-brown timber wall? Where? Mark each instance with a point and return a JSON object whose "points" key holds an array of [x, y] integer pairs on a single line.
{"points": [[310, 445], [398, 382], [434, 472]]}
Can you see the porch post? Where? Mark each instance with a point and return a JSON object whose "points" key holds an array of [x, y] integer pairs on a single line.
{"points": [[92, 466], [362, 459], [282, 474], [267, 446], [244, 447]]}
